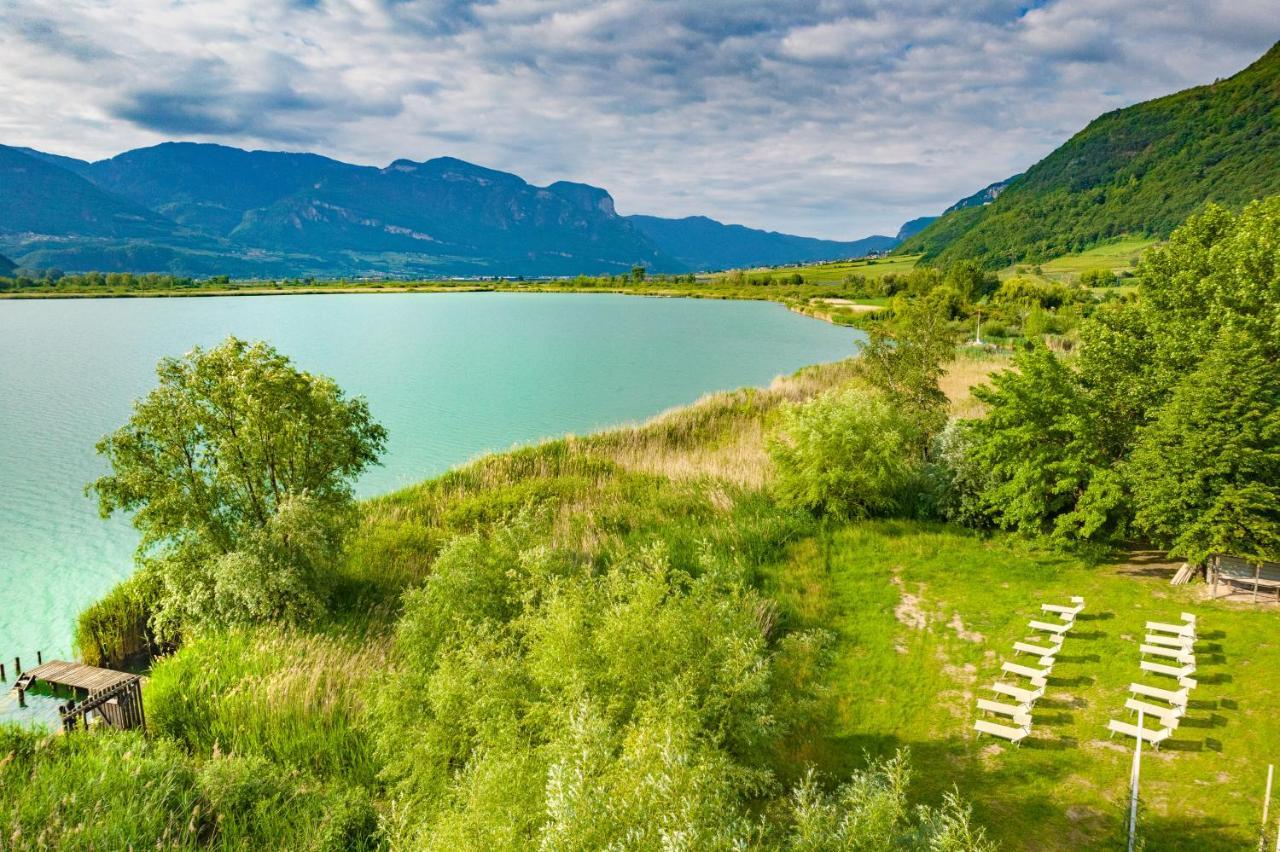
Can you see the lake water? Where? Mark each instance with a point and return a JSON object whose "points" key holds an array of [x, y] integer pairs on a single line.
{"points": [[451, 376]]}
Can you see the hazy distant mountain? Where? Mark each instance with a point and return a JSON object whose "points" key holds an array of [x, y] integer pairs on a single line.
{"points": [[914, 226], [6, 265], [38, 197], [1139, 170], [701, 244], [205, 209]]}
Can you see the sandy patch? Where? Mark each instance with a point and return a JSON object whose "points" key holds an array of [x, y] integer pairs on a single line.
{"points": [[958, 626], [908, 610]]}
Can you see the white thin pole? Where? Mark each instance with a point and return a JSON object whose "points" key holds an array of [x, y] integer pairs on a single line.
{"points": [[1266, 806], [1133, 781]]}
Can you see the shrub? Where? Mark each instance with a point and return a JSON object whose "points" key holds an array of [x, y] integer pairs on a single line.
{"points": [[116, 628], [849, 454]]}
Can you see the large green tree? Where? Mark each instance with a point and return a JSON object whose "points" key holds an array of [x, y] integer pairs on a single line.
{"points": [[238, 469], [1165, 422]]}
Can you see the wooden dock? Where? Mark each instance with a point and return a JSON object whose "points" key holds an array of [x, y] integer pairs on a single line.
{"points": [[75, 676]]}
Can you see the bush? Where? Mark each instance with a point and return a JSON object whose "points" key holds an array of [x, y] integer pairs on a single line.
{"points": [[849, 454], [116, 629]]}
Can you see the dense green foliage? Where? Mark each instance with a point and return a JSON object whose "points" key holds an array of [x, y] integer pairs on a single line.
{"points": [[237, 470], [849, 454], [1139, 170], [1167, 422]]}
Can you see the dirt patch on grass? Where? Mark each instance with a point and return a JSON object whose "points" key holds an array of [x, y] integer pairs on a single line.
{"points": [[908, 610], [958, 626]]}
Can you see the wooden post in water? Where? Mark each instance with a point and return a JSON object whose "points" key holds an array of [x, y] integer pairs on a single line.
{"points": [[2, 677], [39, 658], [17, 667]]}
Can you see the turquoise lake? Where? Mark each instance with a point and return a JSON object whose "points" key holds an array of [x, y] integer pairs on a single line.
{"points": [[451, 376]]}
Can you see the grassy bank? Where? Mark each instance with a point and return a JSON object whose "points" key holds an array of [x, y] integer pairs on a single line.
{"points": [[280, 738]]}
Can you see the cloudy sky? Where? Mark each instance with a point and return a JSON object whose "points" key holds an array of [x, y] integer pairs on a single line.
{"points": [[826, 117]]}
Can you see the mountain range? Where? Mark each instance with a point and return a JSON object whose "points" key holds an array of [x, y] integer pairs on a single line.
{"points": [[1137, 171], [201, 209]]}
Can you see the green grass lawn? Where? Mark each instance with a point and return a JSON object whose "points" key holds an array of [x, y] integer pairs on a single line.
{"points": [[1117, 256], [908, 671], [836, 271]]}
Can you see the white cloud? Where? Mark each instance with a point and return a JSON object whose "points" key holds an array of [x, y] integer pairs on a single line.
{"points": [[833, 118]]}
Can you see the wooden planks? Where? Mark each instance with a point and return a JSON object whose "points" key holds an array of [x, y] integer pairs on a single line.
{"points": [[78, 675]]}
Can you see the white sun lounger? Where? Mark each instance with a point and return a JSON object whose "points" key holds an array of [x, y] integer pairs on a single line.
{"points": [[1155, 736], [1022, 696], [1168, 716], [1177, 698], [1042, 653], [1047, 627], [1184, 657], [1013, 735], [1019, 713], [1184, 642], [1038, 677]]}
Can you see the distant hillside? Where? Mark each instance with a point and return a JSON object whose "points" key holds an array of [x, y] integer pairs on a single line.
{"points": [[205, 209], [39, 197], [915, 226], [705, 244], [1139, 171], [6, 265]]}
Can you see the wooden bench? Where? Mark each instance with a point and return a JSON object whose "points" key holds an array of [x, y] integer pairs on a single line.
{"points": [[1023, 696], [1038, 677], [1152, 735], [1177, 698], [1181, 655], [1186, 643], [1168, 716], [1019, 713], [1244, 575], [1004, 732]]}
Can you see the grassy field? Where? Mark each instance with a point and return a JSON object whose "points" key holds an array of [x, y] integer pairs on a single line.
{"points": [[267, 737], [1117, 256], [926, 614], [836, 271]]}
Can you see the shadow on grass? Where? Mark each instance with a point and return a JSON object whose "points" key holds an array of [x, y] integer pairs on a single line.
{"points": [[1095, 616], [1079, 680], [1090, 636], [1202, 835], [1080, 658]]}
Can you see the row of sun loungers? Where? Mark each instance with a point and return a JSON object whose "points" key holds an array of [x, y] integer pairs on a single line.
{"points": [[1015, 724], [1168, 642]]}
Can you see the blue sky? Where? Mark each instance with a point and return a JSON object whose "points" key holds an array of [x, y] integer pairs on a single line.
{"points": [[827, 118]]}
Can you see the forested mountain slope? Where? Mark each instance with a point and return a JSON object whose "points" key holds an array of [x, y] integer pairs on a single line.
{"points": [[1138, 170]]}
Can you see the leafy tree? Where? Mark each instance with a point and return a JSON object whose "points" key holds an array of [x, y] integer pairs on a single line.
{"points": [[238, 471], [907, 359], [848, 454], [1206, 471], [1037, 450], [870, 811], [1163, 419]]}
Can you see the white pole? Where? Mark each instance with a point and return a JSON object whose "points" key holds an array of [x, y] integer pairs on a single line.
{"points": [[1133, 797], [1266, 806]]}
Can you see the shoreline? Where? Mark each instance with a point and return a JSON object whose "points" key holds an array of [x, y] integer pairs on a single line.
{"points": [[802, 305]]}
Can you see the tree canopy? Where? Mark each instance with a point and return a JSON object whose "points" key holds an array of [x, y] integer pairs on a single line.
{"points": [[1166, 423], [238, 470]]}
